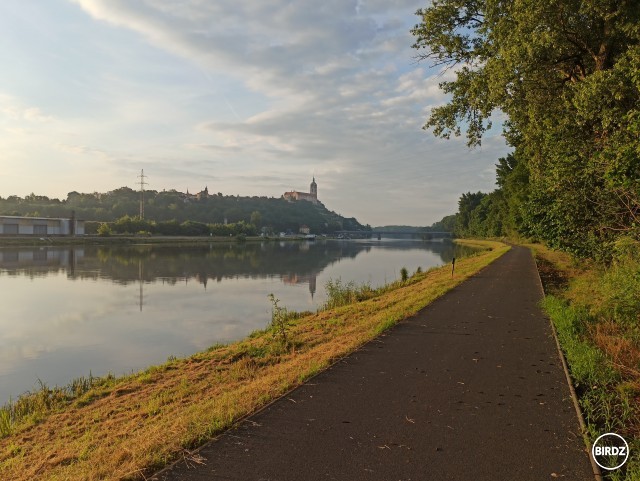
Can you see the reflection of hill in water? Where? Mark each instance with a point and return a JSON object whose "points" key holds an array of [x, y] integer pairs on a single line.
{"points": [[124, 265]]}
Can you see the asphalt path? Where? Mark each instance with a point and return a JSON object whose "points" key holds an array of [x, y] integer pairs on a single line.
{"points": [[471, 388]]}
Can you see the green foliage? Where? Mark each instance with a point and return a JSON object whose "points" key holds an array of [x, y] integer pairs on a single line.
{"points": [[339, 294], [589, 367], [104, 230], [446, 224], [620, 285], [167, 212], [565, 73], [280, 322], [404, 274], [6, 422], [466, 205]]}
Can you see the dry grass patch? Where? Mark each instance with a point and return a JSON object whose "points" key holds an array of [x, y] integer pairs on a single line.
{"points": [[130, 427]]}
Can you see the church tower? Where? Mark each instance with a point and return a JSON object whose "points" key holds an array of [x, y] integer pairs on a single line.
{"points": [[314, 188]]}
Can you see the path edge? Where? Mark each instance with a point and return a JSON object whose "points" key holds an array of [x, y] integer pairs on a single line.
{"points": [[597, 473]]}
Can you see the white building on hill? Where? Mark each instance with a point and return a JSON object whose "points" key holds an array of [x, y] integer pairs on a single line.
{"points": [[311, 196]]}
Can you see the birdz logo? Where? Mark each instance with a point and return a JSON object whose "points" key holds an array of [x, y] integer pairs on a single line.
{"points": [[610, 451]]}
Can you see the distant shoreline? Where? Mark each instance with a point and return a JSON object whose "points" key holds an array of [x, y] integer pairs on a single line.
{"points": [[33, 241]]}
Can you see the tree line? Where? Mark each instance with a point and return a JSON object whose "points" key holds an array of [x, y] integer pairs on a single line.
{"points": [[566, 75], [176, 213]]}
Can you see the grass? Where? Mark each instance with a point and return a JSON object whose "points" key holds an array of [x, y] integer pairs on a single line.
{"points": [[596, 312], [125, 428]]}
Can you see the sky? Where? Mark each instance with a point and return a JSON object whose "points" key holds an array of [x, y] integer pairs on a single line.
{"points": [[246, 97]]}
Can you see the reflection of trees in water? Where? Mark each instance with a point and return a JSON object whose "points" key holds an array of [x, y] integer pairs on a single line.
{"points": [[294, 262]]}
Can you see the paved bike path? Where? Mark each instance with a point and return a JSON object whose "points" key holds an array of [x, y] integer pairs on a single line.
{"points": [[471, 388]]}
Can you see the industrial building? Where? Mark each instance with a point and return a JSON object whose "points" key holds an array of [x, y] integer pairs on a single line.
{"points": [[39, 226]]}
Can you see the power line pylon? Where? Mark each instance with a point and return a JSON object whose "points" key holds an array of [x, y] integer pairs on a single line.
{"points": [[142, 183]]}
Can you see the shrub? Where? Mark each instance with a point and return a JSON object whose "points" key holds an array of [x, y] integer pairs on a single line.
{"points": [[404, 274], [104, 230]]}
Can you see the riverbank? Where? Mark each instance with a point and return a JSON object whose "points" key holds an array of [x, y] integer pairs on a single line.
{"points": [[596, 310], [129, 240], [61, 241], [122, 428]]}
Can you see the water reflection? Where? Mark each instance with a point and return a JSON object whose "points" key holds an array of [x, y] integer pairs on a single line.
{"points": [[293, 262], [116, 309]]}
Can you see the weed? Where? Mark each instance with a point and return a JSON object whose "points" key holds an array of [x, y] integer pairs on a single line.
{"points": [[280, 321], [404, 274]]}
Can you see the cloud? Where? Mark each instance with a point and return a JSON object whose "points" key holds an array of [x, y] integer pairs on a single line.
{"points": [[14, 110], [80, 150], [231, 90], [34, 114]]}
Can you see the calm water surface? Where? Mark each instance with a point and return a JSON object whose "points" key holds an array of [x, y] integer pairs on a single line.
{"points": [[70, 311]]}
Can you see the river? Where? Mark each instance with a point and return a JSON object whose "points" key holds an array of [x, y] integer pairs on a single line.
{"points": [[68, 312]]}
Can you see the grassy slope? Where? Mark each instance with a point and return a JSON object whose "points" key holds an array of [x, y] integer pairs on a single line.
{"points": [[601, 346], [125, 428]]}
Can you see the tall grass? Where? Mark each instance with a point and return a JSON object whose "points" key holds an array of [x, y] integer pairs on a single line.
{"points": [[33, 406], [340, 294], [589, 365], [620, 285], [6, 422]]}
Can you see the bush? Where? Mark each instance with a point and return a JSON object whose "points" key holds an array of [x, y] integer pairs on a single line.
{"points": [[104, 230]]}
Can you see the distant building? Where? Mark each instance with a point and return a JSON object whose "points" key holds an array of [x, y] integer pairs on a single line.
{"points": [[203, 194], [312, 196], [305, 230], [39, 226]]}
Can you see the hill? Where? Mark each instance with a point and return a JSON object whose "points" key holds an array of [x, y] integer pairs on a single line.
{"points": [[270, 213]]}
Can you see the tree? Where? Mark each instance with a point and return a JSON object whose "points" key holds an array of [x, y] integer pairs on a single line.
{"points": [[256, 218], [466, 205], [565, 72]]}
